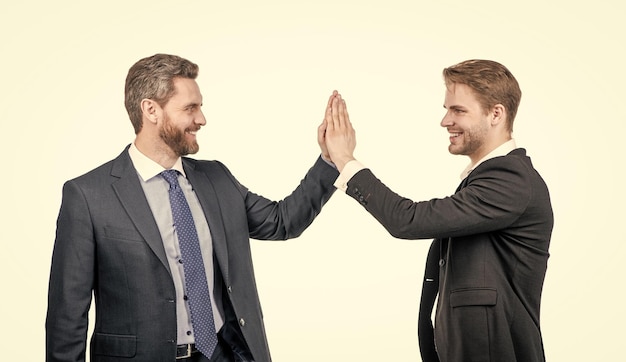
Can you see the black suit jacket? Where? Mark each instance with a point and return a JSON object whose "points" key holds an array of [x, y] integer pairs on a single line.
{"points": [[108, 243], [487, 263]]}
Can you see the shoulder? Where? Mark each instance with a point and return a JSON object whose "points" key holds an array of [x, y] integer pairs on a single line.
{"points": [[513, 173], [206, 166], [106, 172], [213, 170], [509, 174], [516, 160], [95, 175]]}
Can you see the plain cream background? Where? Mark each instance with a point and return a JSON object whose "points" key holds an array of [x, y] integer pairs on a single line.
{"points": [[345, 290]]}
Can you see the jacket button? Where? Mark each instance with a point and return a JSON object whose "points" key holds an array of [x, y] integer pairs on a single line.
{"points": [[442, 262], [242, 322]]}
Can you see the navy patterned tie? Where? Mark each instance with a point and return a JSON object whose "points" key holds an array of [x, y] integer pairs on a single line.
{"points": [[193, 265]]}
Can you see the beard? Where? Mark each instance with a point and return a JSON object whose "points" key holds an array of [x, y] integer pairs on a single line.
{"points": [[473, 140], [176, 138]]}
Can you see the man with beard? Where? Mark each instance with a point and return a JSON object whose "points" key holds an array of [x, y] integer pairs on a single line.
{"points": [[488, 261], [162, 240]]}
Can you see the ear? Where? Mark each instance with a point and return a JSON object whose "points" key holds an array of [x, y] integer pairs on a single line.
{"points": [[498, 115], [151, 110]]}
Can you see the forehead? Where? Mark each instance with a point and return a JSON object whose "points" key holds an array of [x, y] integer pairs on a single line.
{"points": [[186, 91], [460, 94]]}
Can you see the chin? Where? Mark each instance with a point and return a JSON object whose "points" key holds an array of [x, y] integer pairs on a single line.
{"points": [[193, 149]]}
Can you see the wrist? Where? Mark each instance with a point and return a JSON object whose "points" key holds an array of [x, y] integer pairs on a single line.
{"points": [[341, 163]]}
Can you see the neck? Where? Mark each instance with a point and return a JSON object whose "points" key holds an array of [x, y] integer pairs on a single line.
{"points": [[488, 148], [156, 151]]}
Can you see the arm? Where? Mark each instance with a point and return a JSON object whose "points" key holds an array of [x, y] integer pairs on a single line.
{"points": [[71, 280], [497, 193], [288, 218]]}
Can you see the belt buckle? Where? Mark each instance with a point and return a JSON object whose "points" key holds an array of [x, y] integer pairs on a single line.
{"points": [[188, 354]]}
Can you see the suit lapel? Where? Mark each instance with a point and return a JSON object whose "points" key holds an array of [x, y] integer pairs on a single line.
{"points": [[131, 195], [207, 196]]}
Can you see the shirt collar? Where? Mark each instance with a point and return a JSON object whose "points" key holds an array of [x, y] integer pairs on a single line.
{"points": [[147, 168], [501, 150]]}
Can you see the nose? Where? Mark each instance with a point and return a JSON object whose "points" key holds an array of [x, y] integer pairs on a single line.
{"points": [[446, 121], [200, 119]]}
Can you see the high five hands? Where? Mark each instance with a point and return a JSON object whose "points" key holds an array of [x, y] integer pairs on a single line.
{"points": [[336, 136]]}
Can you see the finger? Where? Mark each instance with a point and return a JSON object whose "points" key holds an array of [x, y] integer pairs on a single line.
{"points": [[330, 99], [322, 128], [345, 114], [328, 116], [341, 107], [321, 132], [328, 112], [321, 140], [336, 122], [344, 119]]}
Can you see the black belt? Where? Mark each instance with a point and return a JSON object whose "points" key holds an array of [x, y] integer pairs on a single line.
{"points": [[185, 350]]}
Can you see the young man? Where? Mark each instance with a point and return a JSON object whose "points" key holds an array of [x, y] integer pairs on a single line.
{"points": [[162, 240], [488, 261]]}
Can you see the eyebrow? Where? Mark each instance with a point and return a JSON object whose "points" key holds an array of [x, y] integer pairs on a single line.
{"points": [[456, 107], [192, 105]]}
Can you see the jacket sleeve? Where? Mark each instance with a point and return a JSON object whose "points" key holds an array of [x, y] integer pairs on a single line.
{"points": [[497, 193], [288, 218], [71, 280]]}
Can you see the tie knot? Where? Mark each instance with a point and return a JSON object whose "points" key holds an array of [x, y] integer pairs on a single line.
{"points": [[171, 176]]}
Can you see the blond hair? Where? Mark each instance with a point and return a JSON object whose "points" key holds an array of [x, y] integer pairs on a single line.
{"points": [[491, 82]]}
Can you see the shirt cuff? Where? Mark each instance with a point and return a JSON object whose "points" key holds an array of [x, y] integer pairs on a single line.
{"points": [[349, 170]]}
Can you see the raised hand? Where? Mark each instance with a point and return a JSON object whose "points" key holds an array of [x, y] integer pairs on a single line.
{"points": [[339, 135], [321, 130]]}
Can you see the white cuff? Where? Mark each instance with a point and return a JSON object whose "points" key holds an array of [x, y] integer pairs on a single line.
{"points": [[349, 170]]}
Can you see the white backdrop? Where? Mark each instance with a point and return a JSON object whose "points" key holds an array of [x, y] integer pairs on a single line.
{"points": [[345, 290]]}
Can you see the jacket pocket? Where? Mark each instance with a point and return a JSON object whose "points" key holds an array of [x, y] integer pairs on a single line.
{"points": [[468, 332], [115, 233], [473, 297], [114, 345]]}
